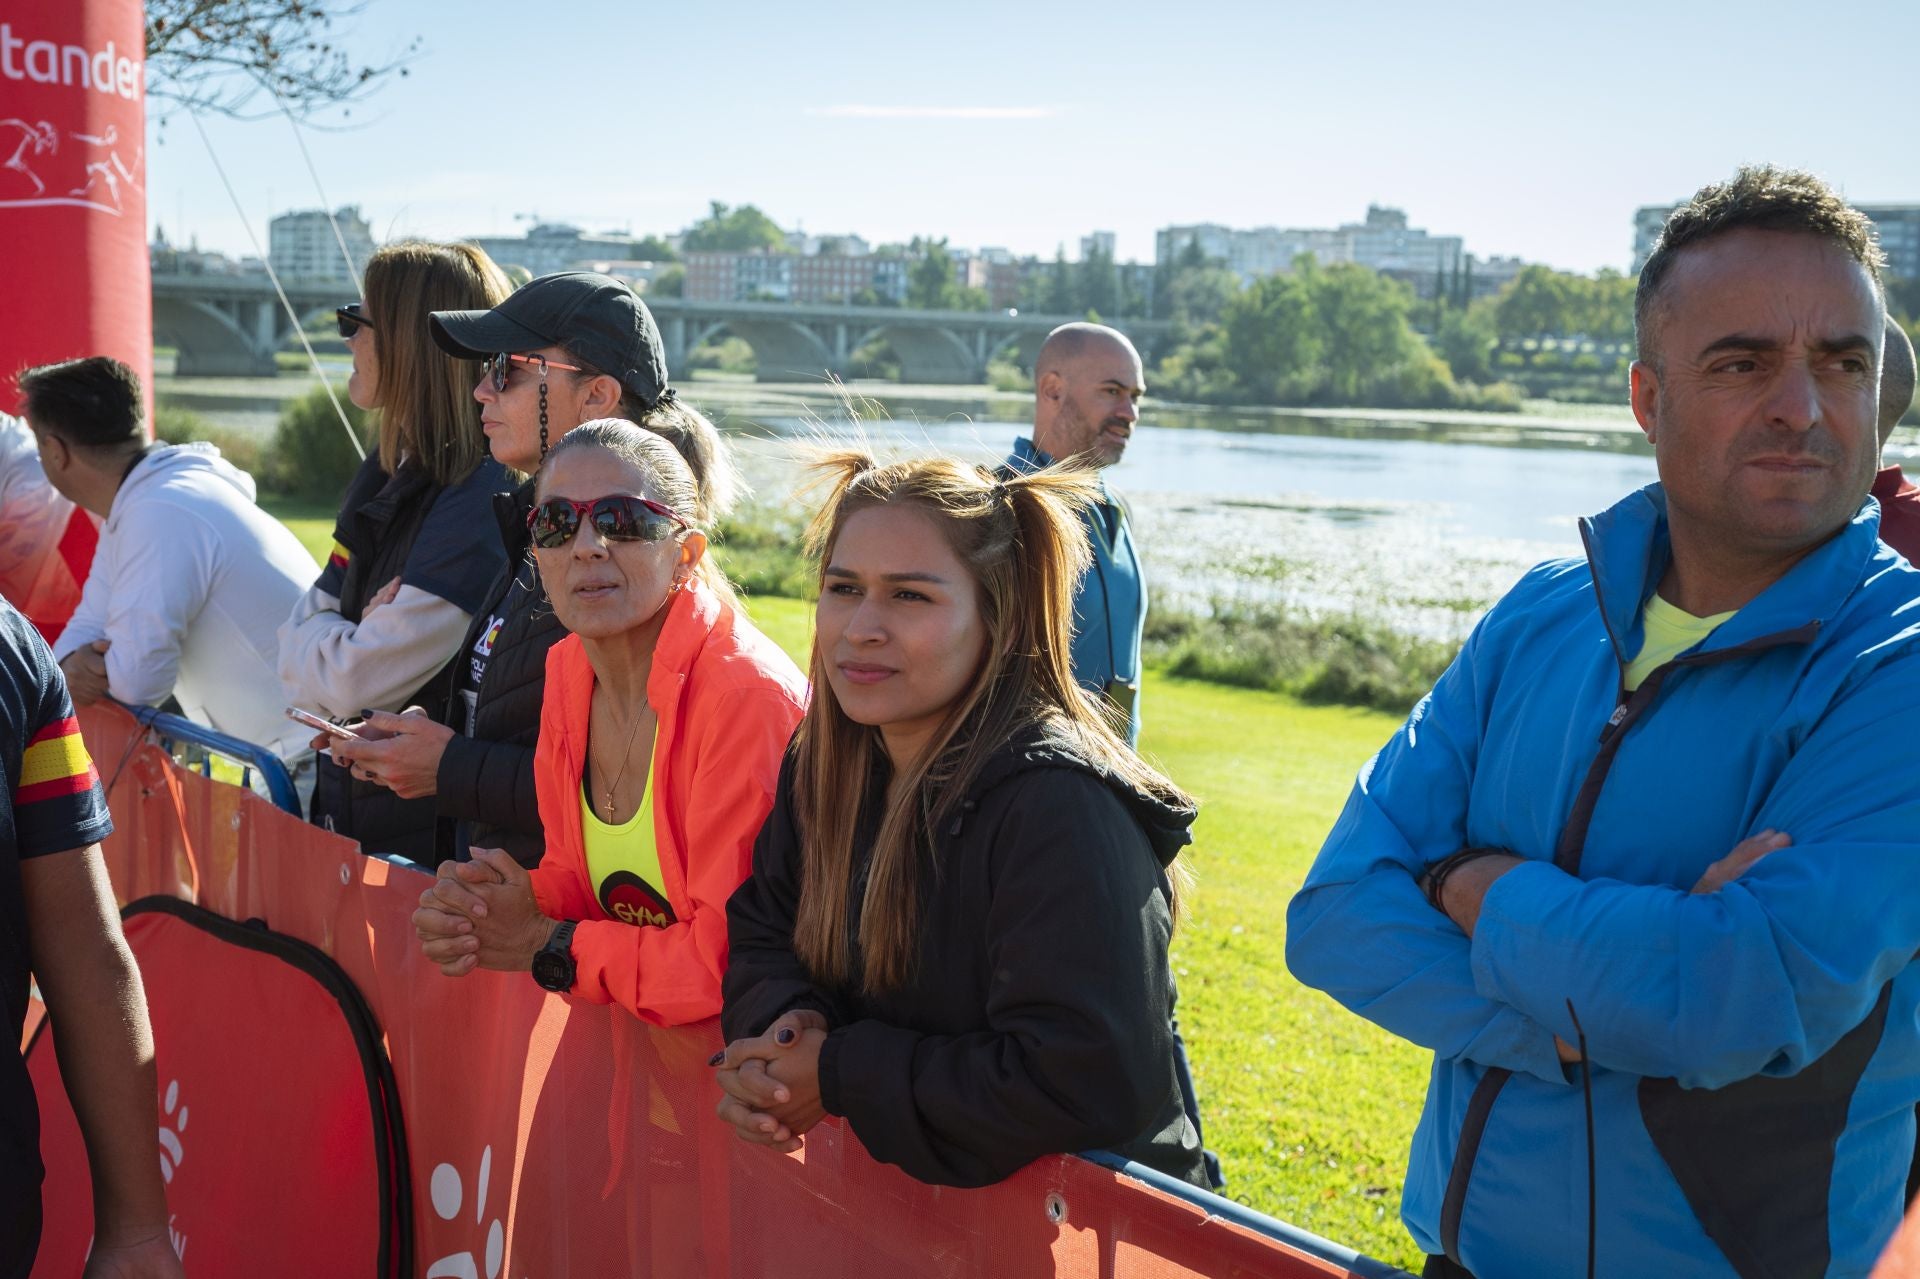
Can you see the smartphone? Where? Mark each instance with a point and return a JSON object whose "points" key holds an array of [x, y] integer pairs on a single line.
{"points": [[323, 724]]}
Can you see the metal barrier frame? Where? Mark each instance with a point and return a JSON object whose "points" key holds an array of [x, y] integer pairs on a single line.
{"points": [[177, 728], [1359, 1265]]}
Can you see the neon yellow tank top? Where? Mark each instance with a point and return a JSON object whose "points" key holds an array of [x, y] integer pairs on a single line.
{"points": [[623, 864], [1667, 631]]}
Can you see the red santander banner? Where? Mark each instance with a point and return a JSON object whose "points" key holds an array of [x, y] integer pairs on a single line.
{"points": [[73, 186]]}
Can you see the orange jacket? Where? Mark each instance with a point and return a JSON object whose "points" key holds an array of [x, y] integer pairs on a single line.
{"points": [[727, 699]]}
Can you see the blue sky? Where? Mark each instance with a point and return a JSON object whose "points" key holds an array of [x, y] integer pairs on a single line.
{"points": [[1531, 129]]}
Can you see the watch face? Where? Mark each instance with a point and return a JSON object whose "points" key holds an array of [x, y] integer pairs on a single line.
{"points": [[552, 971]]}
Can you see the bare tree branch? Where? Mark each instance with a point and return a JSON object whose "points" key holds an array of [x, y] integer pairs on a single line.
{"points": [[223, 56]]}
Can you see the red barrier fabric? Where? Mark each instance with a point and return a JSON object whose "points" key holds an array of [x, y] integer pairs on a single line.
{"points": [[73, 201], [284, 1095], [544, 1138]]}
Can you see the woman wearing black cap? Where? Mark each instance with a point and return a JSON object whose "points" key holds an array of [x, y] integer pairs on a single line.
{"points": [[563, 350], [412, 551]]}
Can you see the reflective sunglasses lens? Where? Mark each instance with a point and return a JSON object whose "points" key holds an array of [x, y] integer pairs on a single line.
{"points": [[349, 322], [554, 524], [497, 366], [628, 519]]}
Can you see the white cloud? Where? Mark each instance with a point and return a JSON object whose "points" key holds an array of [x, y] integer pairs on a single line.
{"points": [[860, 111]]}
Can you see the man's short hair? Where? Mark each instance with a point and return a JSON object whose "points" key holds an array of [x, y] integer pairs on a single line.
{"points": [[94, 403], [1757, 198], [1896, 378]]}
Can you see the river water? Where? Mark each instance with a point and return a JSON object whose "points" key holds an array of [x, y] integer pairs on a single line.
{"points": [[1422, 523], [1419, 519]]}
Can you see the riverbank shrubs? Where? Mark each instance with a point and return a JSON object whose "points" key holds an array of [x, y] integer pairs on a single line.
{"points": [[1348, 660], [307, 456]]}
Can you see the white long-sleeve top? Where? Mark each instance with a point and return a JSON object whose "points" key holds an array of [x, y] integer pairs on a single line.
{"points": [[189, 586]]}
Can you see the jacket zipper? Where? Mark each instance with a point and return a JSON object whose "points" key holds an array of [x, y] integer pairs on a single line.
{"points": [[1567, 854]]}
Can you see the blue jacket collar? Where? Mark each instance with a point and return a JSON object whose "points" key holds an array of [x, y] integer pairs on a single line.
{"points": [[1628, 551], [1027, 457]]}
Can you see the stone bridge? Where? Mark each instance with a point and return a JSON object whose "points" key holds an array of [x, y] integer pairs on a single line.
{"points": [[801, 342], [228, 325]]}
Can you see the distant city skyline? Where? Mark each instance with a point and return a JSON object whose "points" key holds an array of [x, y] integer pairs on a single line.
{"points": [[1521, 130]]}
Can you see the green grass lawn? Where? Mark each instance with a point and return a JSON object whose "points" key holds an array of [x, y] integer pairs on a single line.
{"points": [[1310, 1108], [311, 522]]}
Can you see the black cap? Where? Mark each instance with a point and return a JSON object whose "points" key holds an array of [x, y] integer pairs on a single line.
{"points": [[596, 317]]}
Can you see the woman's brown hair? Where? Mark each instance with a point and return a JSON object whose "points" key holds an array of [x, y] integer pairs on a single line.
{"points": [[1022, 538], [427, 409]]}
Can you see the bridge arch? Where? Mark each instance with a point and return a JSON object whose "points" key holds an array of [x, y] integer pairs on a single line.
{"points": [[784, 350], [211, 341], [930, 353]]}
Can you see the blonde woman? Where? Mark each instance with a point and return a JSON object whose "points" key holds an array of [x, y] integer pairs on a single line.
{"points": [[956, 930], [415, 542]]}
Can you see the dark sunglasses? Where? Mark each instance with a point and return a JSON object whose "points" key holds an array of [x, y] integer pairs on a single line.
{"points": [[619, 518], [500, 365], [351, 319]]}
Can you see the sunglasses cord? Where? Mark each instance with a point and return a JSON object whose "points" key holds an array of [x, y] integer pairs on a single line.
{"points": [[1586, 1089]]}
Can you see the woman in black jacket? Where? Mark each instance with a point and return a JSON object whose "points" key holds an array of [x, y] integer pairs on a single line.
{"points": [[562, 350], [413, 549], [956, 930]]}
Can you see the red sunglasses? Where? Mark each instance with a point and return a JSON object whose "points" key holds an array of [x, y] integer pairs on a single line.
{"points": [[619, 518]]}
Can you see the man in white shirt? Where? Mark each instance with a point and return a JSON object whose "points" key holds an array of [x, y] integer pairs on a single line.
{"points": [[46, 542], [191, 579]]}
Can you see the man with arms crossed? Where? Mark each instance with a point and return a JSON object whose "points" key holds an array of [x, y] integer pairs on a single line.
{"points": [[57, 920], [1664, 804]]}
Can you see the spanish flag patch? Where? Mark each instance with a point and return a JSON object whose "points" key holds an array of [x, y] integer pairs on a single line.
{"points": [[56, 763]]}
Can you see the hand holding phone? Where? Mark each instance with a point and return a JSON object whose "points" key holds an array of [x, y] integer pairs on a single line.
{"points": [[325, 725]]}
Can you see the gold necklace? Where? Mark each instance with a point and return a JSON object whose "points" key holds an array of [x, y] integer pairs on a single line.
{"points": [[625, 759]]}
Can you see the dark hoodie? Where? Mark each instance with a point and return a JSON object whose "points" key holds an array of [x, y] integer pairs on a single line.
{"points": [[1036, 1019]]}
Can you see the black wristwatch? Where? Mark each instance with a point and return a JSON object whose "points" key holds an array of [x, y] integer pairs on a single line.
{"points": [[553, 962]]}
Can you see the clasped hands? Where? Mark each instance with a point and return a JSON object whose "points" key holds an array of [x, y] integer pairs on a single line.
{"points": [[771, 1082], [481, 914]]}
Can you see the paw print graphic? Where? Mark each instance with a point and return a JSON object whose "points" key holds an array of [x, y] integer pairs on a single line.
{"points": [[176, 1115], [448, 1195]]}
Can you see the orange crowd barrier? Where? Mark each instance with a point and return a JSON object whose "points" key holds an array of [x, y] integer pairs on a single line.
{"points": [[331, 1105]]}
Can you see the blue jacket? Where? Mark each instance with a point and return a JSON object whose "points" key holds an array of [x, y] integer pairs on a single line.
{"points": [[1110, 607], [1755, 1053]]}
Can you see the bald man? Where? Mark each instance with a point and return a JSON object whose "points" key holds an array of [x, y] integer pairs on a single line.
{"points": [[1899, 500], [1087, 387]]}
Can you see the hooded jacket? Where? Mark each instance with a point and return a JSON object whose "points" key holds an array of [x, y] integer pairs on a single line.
{"points": [[189, 584], [1754, 1050], [1036, 1018], [726, 699]]}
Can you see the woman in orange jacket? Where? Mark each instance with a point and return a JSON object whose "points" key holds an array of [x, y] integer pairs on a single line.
{"points": [[664, 721]]}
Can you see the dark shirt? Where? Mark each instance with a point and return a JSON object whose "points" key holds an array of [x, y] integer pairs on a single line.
{"points": [[52, 802], [1899, 512]]}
